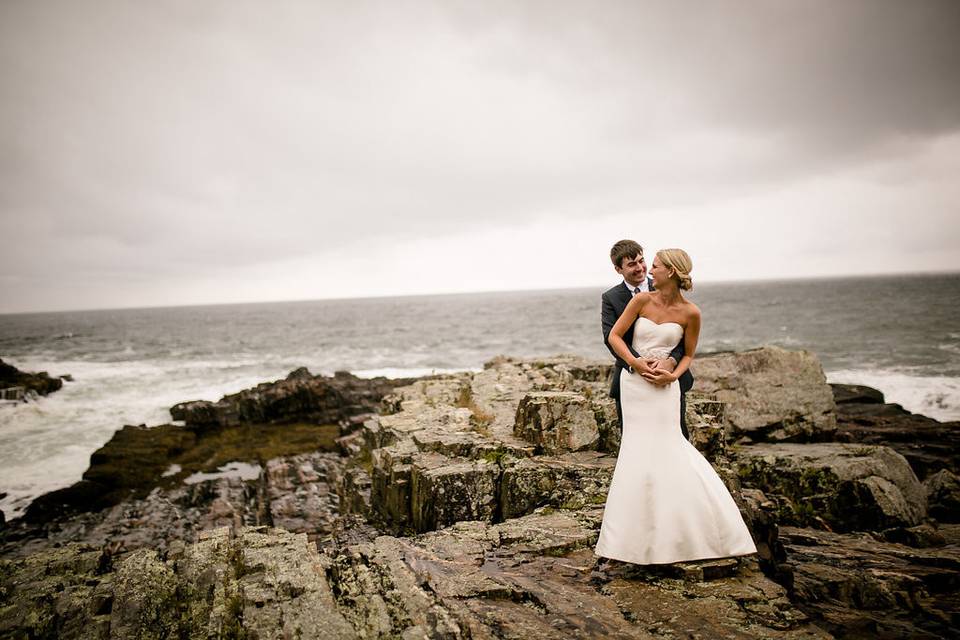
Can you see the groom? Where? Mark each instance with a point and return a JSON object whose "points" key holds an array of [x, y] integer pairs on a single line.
{"points": [[627, 258]]}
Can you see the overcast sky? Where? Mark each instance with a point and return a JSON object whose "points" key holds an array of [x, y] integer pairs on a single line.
{"points": [[159, 153]]}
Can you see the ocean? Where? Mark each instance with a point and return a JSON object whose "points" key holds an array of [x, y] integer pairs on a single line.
{"points": [[898, 334]]}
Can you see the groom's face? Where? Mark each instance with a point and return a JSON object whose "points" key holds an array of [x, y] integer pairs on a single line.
{"points": [[633, 270]]}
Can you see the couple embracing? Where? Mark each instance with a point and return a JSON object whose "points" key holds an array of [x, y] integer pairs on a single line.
{"points": [[666, 503]]}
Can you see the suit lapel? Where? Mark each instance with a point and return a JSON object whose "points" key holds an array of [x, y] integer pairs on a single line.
{"points": [[626, 294]]}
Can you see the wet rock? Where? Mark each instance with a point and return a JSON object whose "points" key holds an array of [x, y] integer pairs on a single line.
{"points": [[922, 536], [928, 445], [557, 422], [145, 598], [846, 487], [283, 591], [571, 480], [739, 606], [855, 394], [705, 426], [943, 496], [354, 489], [770, 394], [137, 459], [302, 492], [298, 492], [856, 586], [131, 463], [301, 396], [264, 583], [531, 577], [507, 532], [760, 515], [61, 593], [391, 490], [425, 490], [40, 383], [445, 491], [608, 426]]}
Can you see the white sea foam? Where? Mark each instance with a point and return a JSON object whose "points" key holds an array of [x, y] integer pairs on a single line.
{"points": [[46, 444], [934, 396]]}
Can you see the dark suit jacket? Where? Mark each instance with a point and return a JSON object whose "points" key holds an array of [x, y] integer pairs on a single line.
{"points": [[612, 304]]}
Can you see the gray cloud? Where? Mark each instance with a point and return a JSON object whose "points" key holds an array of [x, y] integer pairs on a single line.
{"points": [[176, 137]]}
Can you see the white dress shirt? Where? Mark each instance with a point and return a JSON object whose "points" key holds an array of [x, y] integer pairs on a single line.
{"points": [[644, 286]]}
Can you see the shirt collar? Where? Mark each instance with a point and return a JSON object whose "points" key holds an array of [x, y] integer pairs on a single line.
{"points": [[644, 285]]}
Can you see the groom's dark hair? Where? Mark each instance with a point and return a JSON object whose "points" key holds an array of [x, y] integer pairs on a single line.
{"points": [[624, 249]]}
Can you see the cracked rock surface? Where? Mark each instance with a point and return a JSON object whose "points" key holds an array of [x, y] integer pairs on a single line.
{"points": [[468, 507]]}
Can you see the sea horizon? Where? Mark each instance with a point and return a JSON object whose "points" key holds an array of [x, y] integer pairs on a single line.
{"points": [[601, 287]]}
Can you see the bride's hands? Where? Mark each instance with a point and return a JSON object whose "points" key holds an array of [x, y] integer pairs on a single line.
{"points": [[667, 364], [658, 376]]}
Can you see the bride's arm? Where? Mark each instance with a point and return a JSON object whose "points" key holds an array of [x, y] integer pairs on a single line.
{"points": [[621, 326]]}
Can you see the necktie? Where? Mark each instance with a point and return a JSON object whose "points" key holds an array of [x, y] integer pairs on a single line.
{"points": [[636, 290]]}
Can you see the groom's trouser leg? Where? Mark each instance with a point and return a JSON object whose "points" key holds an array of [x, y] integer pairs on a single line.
{"points": [[619, 415], [683, 415]]}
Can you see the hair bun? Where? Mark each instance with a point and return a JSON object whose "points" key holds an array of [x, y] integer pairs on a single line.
{"points": [[680, 263]]}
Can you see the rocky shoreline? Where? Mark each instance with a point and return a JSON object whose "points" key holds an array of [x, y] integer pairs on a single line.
{"points": [[16, 385], [467, 506]]}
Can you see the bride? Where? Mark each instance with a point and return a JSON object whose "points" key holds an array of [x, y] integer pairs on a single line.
{"points": [[666, 503]]}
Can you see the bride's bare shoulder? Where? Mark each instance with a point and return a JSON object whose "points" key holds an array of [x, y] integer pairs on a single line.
{"points": [[692, 310], [639, 300]]}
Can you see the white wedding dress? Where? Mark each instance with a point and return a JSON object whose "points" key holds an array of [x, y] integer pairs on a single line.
{"points": [[666, 503]]}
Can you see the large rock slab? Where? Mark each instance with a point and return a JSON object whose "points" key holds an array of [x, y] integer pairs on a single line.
{"points": [[301, 492], [843, 486], [127, 466], [529, 430], [534, 577], [705, 427], [283, 589], [770, 394], [65, 592], [445, 491], [38, 383], [557, 422], [421, 491], [300, 396], [943, 496], [263, 583], [927, 444], [139, 459], [572, 480], [857, 586], [855, 394]]}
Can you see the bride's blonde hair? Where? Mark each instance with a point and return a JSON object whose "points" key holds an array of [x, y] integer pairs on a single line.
{"points": [[679, 261]]}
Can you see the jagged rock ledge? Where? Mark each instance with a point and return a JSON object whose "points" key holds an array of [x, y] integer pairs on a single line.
{"points": [[468, 508], [19, 385]]}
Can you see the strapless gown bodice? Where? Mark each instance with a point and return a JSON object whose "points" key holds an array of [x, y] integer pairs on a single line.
{"points": [[655, 339]]}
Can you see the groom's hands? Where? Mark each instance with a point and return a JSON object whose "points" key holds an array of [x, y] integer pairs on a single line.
{"points": [[642, 367]]}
